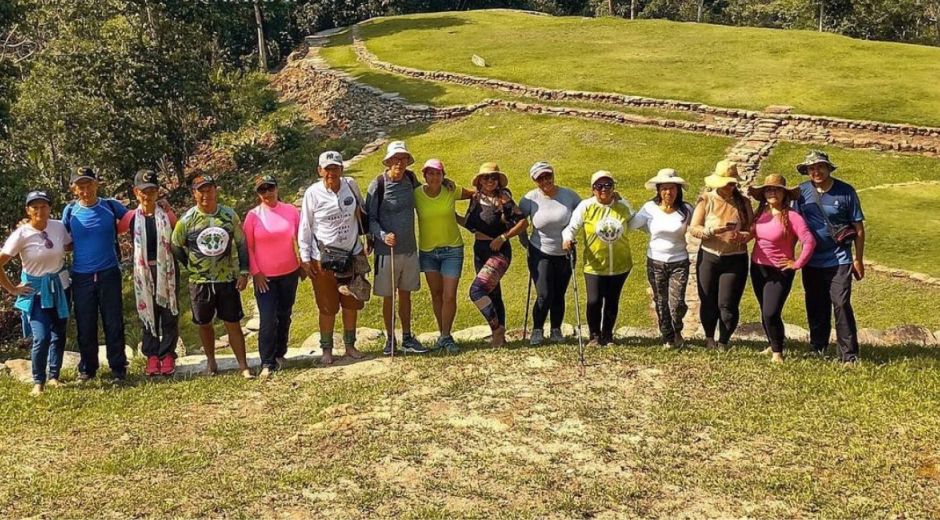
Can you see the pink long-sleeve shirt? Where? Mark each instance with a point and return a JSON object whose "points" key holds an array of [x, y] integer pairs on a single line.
{"points": [[771, 246], [270, 234]]}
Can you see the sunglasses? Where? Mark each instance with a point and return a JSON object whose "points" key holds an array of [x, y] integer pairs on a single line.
{"points": [[45, 239], [264, 188], [545, 177], [491, 177], [599, 186]]}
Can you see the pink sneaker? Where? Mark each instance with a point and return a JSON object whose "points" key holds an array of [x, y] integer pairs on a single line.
{"points": [[153, 366], [168, 365]]}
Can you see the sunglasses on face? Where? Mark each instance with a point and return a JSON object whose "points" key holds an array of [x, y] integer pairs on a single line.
{"points": [[545, 177], [266, 188], [491, 177], [45, 240], [599, 186]]}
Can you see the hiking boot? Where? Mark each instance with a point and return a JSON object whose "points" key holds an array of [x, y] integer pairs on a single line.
{"points": [[556, 336], [536, 337], [168, 365], [411, 345], [153, 366], [447, 343]]}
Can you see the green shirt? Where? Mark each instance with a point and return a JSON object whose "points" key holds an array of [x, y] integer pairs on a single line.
{"points": [[437, 222], [606, 236], [203, 244]]}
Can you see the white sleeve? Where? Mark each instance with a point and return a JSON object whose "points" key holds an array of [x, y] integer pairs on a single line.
{"points": [[12, 246], [307, 235], [576, 222], [641, 220]]}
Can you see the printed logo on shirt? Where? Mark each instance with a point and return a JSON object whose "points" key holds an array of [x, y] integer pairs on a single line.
{"points": [[212, 241], [609, 229], [347, 201]]}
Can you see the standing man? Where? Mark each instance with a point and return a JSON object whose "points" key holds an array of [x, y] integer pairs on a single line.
{"points": [[218, 272], [390, 203], [96, 276], [833, 213], [156, 274]]}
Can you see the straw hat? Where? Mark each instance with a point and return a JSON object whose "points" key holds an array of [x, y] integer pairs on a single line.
{"points": [[774, 180], [665, 176], [726, 172], [486, 169], [814, 157]]}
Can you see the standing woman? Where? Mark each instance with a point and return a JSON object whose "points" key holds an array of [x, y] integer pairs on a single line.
{"points": [[494, 218], [773, 264], [41, 296], [549, 208], [666, 218], [440, 246], [722, 220], [607, 257], [271, 233]]}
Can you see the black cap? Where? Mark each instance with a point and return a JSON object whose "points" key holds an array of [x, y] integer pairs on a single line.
{"points": [[202, 180], [146, 179], [38, 195], [83, 172], [263, 180]]}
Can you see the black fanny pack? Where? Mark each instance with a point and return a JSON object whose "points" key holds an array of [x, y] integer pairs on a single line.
{"points": [[335, 259]]}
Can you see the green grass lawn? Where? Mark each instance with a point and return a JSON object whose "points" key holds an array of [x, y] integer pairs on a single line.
{"points": [[509, 433], [340, 55], [723, 66]]}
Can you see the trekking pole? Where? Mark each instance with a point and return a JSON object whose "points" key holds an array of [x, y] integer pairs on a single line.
{"points": [[528, 298], [392, 266], [577, 306]]}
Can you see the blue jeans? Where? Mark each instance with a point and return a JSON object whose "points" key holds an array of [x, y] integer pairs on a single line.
{"points": [[94, 293], [48, 341], [275, 307], [445, 260]]}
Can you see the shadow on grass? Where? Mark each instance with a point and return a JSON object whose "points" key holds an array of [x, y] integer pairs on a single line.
{"points": [[385, 27]]}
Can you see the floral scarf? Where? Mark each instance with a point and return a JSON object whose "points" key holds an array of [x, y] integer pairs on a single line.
{"points": [[166, 269]]}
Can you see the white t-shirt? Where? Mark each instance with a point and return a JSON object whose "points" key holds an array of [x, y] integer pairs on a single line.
{"points": [[38, 260], [667, 232], [329, 218]]}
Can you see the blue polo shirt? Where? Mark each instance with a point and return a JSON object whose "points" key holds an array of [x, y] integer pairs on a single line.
{"points": [[94, 232], [842, 206]]}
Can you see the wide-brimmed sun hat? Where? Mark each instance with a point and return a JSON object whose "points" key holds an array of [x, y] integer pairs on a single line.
{"points": [[397, 148], [665, 176], [488, 168], [726, 172], [814, 157], [774, 180], [433, 164], [539, 168]]}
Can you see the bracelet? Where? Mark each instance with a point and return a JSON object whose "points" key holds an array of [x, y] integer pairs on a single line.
{"points": [[503, 237]]}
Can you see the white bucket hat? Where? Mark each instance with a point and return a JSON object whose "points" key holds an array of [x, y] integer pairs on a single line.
{"points": [[601, 174], [397, 148], [665, 176], [330, 158]]}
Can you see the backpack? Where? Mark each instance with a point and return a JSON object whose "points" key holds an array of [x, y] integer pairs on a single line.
{"points": [[108, 204]]}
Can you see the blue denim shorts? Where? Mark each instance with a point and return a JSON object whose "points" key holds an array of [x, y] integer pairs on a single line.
{"points": [[445, 260]]}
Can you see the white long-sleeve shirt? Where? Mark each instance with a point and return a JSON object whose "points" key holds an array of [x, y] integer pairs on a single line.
{"points": [[667, 232], [329, 219]]}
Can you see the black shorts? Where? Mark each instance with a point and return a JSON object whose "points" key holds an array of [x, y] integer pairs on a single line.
{"points": [[215, 299]]}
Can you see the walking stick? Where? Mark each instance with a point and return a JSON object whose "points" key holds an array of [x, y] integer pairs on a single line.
{"points": [[528, 298], [577, 306], [394, 291]]}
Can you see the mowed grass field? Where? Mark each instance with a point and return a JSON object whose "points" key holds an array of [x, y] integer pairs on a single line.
{"points": [[736, 67]]}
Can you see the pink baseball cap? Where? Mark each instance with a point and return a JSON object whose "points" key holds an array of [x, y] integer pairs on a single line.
{"points": [[433, 163]]}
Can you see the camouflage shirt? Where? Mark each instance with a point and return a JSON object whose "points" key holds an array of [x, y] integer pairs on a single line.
{"points": [[203, 244]]}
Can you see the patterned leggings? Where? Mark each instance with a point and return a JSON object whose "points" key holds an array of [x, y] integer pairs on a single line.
{"points": [[668, 281], [485, 290]]}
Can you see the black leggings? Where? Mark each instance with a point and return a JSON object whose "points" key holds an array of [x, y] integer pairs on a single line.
{"points": [[772, 287], [603, 302], [551, 275], [721, 282]]}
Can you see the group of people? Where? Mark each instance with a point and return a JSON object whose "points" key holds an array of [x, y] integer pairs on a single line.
{"points": [[330, 238]]}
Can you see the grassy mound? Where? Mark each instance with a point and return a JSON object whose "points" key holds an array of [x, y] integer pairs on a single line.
{"points": [[736, 67]]}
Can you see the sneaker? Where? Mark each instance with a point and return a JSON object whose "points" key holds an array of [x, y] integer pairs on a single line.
{"points": [[711, 344], [411, 345], [85, 376], [265, 373], [53, 383], [536, 337], [556, 336], [153, 366], [388, 348], [168, 365], [448, 344], [118, 377], [607, 339], [595, 341], [679, 341], [37, 389], [818, 352]]}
